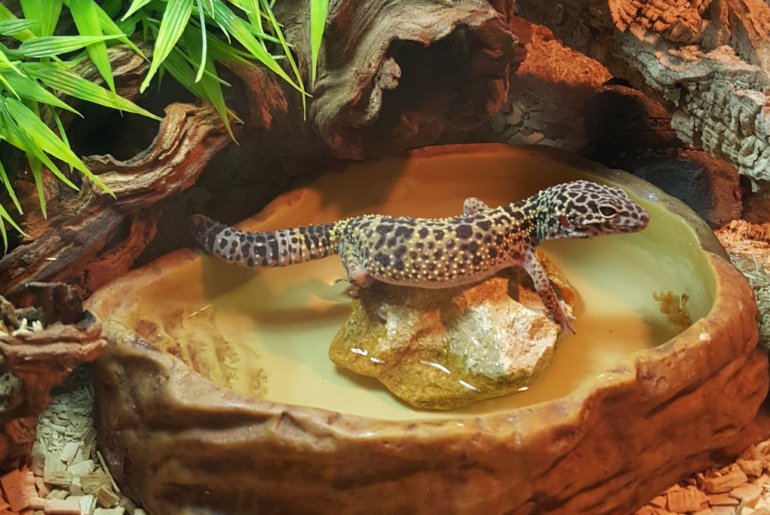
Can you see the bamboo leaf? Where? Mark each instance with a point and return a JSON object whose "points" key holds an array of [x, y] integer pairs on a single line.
{"points": [[240, 31], [5, 216], [8, 63], [78, 87], [54, 45], [175, 19], [38, 138], [60, 126], [37, 172], [87, 21], [13, 27], [29, 123], [204, 42], [176, 64], [111, 7], [318, 9], [30, 89], [110, 27], [9, 87], [47, 12], [212, 87], [9, 188], [254, 15], [6, 15], [287, 52], [135, 6]]}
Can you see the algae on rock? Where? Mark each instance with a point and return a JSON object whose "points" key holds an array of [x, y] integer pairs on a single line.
{"points": [[443, 349]]}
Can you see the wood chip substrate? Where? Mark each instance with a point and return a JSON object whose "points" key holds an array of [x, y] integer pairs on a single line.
{"points": [[67, 474]]}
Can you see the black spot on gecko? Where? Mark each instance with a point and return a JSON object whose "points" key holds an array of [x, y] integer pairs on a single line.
{"points": [[492, 252], [484, 225], [423, 232], [384, 229], [438, 234], [477, 260], [473, 247], [273, 243], [404, 232], [383, 259], [223, 243], [464, 231]]}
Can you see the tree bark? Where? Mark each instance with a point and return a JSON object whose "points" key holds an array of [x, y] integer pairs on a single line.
{"points": [[707, 60]]}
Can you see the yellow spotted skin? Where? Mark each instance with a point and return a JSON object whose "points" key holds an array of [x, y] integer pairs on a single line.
{"points": [[441, 252]]}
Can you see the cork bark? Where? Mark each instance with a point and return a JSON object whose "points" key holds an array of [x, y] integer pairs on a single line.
{"points": [[707, 60]]}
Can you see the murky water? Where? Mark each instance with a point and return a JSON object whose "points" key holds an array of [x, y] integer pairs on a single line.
{"points": [[267, 332]]}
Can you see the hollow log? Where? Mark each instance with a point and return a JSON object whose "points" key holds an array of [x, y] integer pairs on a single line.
{"points": [[708, 61]]}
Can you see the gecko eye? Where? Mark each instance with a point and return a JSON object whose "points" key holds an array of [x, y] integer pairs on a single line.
{"points": [[608, 211]]}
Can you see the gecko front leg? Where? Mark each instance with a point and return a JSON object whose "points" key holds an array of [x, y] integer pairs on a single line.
{"points": [[543, 286]]}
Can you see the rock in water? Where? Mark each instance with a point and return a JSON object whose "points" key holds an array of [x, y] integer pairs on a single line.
{"points": [[443, 349]]}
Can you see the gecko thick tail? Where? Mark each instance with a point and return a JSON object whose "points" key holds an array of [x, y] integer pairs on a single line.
{"points": [[270, 249]]}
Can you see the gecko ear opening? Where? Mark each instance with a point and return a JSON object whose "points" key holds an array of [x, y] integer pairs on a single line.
{"points": [[564, 222]]}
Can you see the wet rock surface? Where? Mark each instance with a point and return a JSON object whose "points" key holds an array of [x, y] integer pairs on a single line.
{"points": [[443, 349]]}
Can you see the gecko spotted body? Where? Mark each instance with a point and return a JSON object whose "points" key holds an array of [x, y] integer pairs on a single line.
{"points": [[441, 252]]}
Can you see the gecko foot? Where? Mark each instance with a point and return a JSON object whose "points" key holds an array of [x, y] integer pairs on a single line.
{"points": [[564, 319]]}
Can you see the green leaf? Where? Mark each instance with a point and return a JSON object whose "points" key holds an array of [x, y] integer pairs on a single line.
{"points": [[175, 19], [135, 6], [54, 45], [204, 42], [112, 28], [60, 126], [254, 15], [212, 87], [240, 31], [37, 172], [13, 27], [7, 62], [31, 90], [78, 87], [111, 7], [6, 15], [45, 11], [42, 137], [9, 188], [287, 52], [176, 64], [318, 9], [86, 19], [5, 216]]}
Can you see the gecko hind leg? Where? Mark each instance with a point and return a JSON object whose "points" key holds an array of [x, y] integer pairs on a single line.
{"points": [[473, 206], [360, 277]]}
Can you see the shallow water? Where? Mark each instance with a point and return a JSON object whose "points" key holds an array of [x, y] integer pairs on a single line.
{"points": [[267, 332]]}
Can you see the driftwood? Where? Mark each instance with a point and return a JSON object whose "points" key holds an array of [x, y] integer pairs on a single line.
{"points": [[708, 61], [392, 75], [78, 244], [40, 344]]}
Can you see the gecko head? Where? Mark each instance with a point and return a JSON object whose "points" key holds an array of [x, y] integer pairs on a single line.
{"points": [[583, 209]]}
